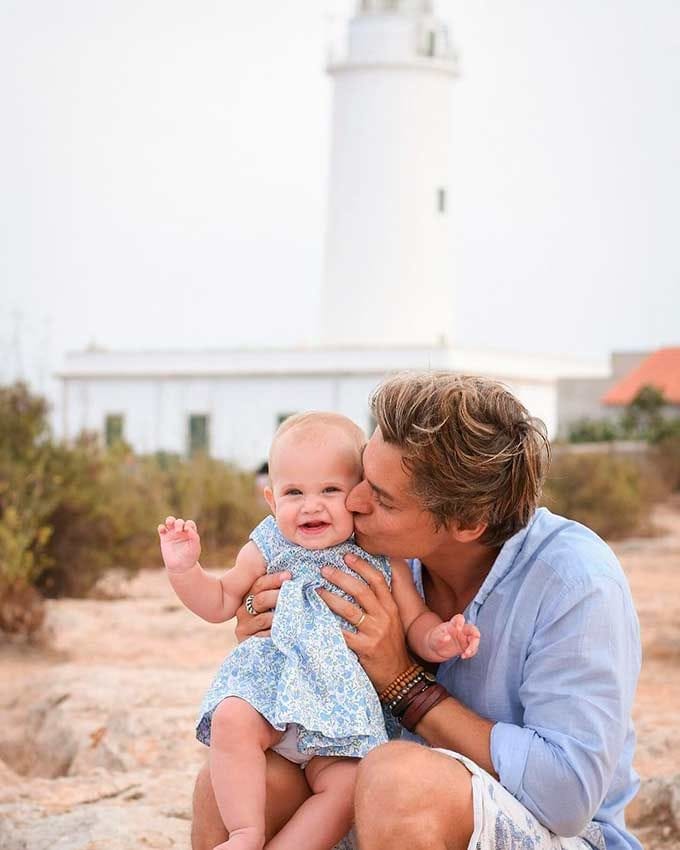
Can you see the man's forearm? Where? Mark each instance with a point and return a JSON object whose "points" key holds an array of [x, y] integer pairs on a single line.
{"points": [[452, 726]]}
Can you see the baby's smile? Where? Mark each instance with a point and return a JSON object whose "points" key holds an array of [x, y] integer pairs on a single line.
{"points": [[314, 526]]}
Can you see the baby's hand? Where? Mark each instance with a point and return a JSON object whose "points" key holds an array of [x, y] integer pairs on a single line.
{"points": [[456, 637], [180, 544]]}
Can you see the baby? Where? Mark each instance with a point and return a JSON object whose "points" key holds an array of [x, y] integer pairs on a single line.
{"points": [[299, 691]]}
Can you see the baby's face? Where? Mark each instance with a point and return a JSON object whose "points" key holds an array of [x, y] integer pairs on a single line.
{"points": [[312, 473]]}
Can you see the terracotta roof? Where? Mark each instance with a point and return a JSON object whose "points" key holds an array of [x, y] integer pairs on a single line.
{"points": [[661, 370]]}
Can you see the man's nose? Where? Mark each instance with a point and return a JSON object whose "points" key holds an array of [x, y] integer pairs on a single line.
{"points": [[359, 499]]}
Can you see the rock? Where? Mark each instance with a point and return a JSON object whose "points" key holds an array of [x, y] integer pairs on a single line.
{"points": [[120, 719], [652, 803], [114, 584], [674, 802], [8, 777], [111, 811], [105, 827]]}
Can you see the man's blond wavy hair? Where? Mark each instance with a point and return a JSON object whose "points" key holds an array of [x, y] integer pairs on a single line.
{"points": [[474, 453]]}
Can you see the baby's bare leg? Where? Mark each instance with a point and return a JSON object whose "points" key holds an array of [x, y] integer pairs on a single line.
{"points": [[239, 738], [287, 790], [325, 817]]}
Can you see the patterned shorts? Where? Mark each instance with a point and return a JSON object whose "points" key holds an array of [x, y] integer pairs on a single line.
{"points": [[503, 823]]}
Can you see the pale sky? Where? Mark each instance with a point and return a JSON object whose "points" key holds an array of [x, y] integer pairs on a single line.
{"points": [[163, 174]]}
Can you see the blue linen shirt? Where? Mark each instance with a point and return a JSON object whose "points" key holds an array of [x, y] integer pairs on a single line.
{"points": [[556, 672]]}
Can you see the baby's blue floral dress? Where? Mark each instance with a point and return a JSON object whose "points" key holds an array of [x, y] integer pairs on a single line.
{"points": [[304, 673]]}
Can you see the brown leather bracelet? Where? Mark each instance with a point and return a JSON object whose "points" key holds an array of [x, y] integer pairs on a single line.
{"points": [[420, 707], [398, 708], [416, 699]]}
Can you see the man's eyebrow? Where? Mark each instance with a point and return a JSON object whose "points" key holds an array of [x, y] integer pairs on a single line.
{"points": [[382, 493]]}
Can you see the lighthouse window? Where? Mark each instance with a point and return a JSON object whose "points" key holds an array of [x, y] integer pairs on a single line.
{"points": [[441, 200]]}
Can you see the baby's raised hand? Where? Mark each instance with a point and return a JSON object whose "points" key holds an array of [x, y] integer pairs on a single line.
{"points": [[455, 637], [180, 544]]}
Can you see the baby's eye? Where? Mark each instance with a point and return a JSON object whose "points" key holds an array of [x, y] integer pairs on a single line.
{"points": [[292, 491], [331, 490]]}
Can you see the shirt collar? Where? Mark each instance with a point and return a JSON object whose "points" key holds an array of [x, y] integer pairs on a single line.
{"points": [[506, 559]]}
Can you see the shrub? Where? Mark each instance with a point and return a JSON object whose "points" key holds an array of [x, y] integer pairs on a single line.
{"points": [[642, 419], [69, 512], [665, 452], [220, 497], [28, 493], [105, 516], [593, 431], [611, 494]]}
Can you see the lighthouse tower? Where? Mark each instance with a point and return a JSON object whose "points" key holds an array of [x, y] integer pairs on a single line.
{"points": [[387, 275]]}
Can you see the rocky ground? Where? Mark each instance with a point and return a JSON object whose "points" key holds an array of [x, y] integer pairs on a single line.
{"points": [[96, 751]]}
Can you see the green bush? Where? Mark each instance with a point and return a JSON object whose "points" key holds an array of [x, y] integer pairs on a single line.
{"points": [[218, 496], [665, 452], [70, 512], [28, 494], [611, 494], [104, 517], [643, 419], [593, 431]]}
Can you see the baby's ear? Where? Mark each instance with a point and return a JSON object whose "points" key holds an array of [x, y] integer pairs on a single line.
{"points": [[269, 499]]}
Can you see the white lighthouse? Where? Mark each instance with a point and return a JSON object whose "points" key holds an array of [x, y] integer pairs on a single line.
{"points": [[387, 276], [387, 289]]}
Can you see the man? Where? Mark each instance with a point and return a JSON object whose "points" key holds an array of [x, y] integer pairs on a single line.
{"points": [[531, 742]]}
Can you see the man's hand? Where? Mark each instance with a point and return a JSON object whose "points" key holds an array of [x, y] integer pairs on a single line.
{"points": [[379, 641], [180, 544], [454, 637], [265, 593]]}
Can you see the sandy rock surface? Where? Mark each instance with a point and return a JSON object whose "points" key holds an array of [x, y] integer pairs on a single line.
{"points": [[96, 743]]}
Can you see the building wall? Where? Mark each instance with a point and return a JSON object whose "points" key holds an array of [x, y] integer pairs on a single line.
{"points": [[243, 411], [540, 399], [580, 399]]}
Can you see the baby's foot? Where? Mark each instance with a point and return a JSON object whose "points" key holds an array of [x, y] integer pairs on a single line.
{"points": [[246, 838]]}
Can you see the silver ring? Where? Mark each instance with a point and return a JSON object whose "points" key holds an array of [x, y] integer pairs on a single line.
{"points": [[360, 620], [250, 608]]}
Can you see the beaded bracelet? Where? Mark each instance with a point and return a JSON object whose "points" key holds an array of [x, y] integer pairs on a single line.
{"points": [[397, 684], [398, 706], [409, 688], [396, 696]]}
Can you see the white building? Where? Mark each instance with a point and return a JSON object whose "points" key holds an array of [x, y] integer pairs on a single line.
{"points": [[387, 295]]}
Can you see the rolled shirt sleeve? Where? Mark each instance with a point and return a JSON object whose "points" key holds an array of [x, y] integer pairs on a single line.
{"points": [[576, 692]]}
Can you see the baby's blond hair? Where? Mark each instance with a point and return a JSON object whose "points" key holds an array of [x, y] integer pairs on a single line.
{"points": [[313, 418]]}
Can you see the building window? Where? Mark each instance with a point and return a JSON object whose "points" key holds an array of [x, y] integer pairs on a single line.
{"points": [[199, 438], [431, 43], [441, 200], [113, 429], [281, 417]]}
